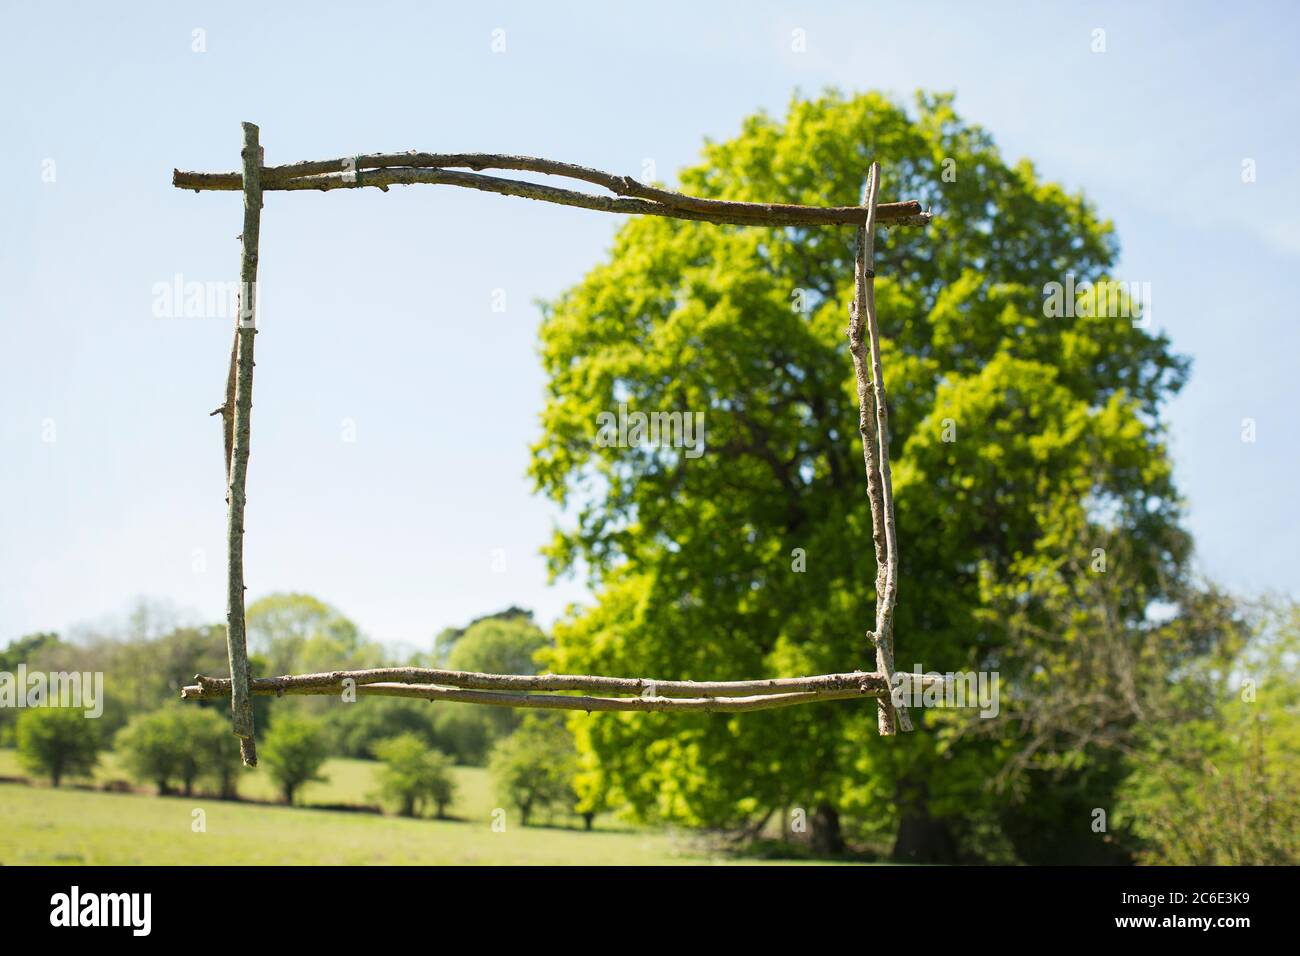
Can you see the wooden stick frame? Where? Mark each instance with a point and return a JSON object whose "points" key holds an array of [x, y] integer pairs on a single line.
{"points": [[554, 691]]}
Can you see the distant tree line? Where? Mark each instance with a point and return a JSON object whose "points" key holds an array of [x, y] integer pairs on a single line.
{"points": [[188, 748]]}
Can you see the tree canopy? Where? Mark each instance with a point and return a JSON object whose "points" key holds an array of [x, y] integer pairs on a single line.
{"points": [[1020, 443]]}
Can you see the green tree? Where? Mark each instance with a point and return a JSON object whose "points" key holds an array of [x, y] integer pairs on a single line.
{"points": [[1222, 788], [355, 729], [498, 646], [504, 643], [293, 752], [22, 650], [445, 640], [179, 744], [297, 633], [218, 751], [414, 775], [152, 748], [533, 769], [1014, 435], [57, 742]]}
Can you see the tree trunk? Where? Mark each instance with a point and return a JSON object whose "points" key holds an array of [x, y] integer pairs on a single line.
{"points": [[588, 819], [924, 839], [826, 838]]}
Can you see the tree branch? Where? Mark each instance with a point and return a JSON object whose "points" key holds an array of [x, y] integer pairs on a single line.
{"points": [[513, 690], [857, 682], [884, 605], [239, 412], [562, 702], [864, 346], [382, 170]]}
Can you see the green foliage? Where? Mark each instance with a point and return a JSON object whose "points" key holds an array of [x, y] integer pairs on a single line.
{"points": [[1224, 790], [299, 634], [445, 641], [462, 731], [465, 732], [144, 663], [293, 752], [19, 651], [22, 649], [505, 643], [498, 646], [57, 742], [355, 729], [414, 776], [534, 768], [1017, 439], [177, 745]]}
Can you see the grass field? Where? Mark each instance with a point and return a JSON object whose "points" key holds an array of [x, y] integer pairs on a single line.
{"points": [[347, 782], [41, 825], [44, 826]]}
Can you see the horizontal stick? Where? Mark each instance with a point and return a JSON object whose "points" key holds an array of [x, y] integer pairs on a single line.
{"points": [[387, 169], [554, 701], [330, 682]]}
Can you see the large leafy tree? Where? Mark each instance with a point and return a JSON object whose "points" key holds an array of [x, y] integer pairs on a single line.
{"points": [[1015, 437]]}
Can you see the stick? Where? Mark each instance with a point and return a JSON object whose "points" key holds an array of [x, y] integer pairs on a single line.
{"points": [[241, 704], [557, 701], [863, 287], [866, 367], [334, 682], [408, 168], [632, 197], [227, 410], [884, 604]]}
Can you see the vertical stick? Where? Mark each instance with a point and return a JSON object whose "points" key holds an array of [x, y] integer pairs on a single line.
{"points": [[884, 602], [872, 423], [241, 702]]}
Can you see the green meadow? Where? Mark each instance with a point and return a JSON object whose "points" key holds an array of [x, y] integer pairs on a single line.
{"points": [[73, 825], [347, 783], [44, 826]]}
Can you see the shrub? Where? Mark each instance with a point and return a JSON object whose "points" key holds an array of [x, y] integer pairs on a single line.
{"points": [[57, 742], [414, 775], [294, 750], [534, 767]]}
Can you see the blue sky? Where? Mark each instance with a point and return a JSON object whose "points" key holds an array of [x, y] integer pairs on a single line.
{"points": [[376, 310]]}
